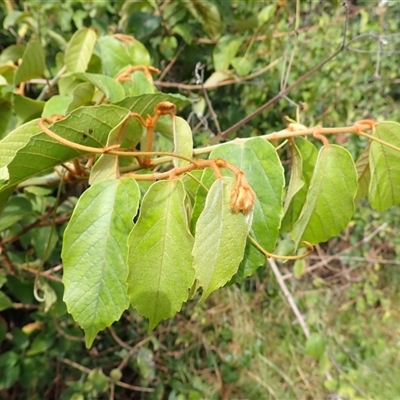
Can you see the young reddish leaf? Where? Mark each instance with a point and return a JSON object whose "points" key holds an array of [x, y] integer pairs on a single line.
{"points": [[159, 259], [220, 238], [384, 188], [329, 204], [79, 50], [33, 64], [94, 254]]}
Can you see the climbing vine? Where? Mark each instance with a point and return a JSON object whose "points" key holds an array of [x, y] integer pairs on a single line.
{"points": [[155, 226]]}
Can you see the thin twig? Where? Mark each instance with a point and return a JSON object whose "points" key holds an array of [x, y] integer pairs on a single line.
{"points": [[172, 62], [338, 255], [199, 73], [183, 86], [51, 83], [119, 383], [124, 362], [289, 297], [282, 92]]}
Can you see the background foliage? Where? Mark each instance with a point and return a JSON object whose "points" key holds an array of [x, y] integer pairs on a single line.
{"points": [[242, 342]]}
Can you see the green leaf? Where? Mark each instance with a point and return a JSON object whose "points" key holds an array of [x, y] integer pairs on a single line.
{"points": [[299, 268], [207, 179], [168, 47], [216, 77], [94, 254], [5, 116], [364, 173], [207, 14], [5, 302], [12, 53], [56, 105], [44, 240], [304, 157], [160, 260], [384, 188], [27, 151], [138, 53], [33, 64], [252, 260], [220, 238], [146, 104], [329, 204], [114, 55], [42, 342], [17, 208], [107, 165], [139, 85], [79, 50], [27, 108], [242, 65], [99, 380], [117, 55], [112, 89], [258, 159], [10, 369], [266, 13], [315, 346], [225, 50], [183, 140], [82, 95]]}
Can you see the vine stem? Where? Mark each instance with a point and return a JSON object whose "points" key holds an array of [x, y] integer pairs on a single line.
{"points": [[292, 132], [278, 257]]}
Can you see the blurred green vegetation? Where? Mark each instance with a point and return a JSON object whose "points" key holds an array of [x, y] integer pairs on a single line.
{"points": [[244, 341]]}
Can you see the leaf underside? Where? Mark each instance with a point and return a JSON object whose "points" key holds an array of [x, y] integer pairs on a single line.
{"points": [[94, 254], [220, 238], [159, 259], [384, 187], [329, 205]]}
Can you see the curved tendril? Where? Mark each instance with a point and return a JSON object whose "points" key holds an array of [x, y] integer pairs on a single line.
{"points": [[278, 257]]}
